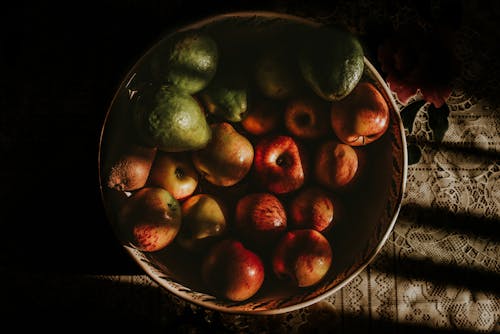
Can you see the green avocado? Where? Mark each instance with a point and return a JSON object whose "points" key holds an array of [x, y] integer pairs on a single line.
{"points": [[171, 120], [331, 61], [188, 61]]}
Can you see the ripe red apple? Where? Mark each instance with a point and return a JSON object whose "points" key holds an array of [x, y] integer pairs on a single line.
{"points": [[302, 255], [227, 158], [149, 219], [311, 208], [280, 164], [232, 271], [336, 164], [260, 218], [362, 117], [175, 173], [307, 117]]}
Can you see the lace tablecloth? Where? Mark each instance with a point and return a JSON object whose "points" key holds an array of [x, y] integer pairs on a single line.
{"points": [[440, 269]]}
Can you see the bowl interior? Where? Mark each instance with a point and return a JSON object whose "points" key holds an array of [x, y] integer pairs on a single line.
{"points": [[370, 211]]}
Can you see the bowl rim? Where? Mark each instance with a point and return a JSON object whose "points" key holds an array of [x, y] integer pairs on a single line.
{"points": [[155, 274]]}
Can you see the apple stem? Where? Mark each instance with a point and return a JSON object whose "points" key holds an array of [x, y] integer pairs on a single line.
{"points": [[179, 173], [282, 161], [303, 119]]}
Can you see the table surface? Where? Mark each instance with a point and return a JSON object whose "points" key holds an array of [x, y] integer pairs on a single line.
{"points": [[59, 260]]}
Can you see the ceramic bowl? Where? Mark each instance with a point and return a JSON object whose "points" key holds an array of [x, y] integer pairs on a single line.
{"points": [[372, 210]]}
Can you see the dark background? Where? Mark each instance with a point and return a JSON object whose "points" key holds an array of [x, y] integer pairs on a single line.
{"points": [[61, 65]]}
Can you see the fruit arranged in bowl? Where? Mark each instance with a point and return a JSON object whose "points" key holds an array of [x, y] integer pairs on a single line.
{"points": [[253, 162]]}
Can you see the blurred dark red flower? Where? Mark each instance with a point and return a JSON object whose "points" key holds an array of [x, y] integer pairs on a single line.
{"points": [[415, 59]]}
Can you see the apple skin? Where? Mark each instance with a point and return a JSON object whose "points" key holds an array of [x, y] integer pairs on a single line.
{"points": [[303, 255], [263, 117], [308, 117], [227, 158], [150, 219], [336, 165], [311, 208], [175, 173], [280, 164], [130, 170], [260, 218], [204, 219], [362, 117], [232, 271]]}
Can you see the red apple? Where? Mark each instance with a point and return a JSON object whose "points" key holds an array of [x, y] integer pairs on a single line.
{"points": [[150, 219], [336, 164], [280, 165], [307, 117], [304, 256], [362, 117], [260, 218], [232, 271], [175, 173], [311, 208]]}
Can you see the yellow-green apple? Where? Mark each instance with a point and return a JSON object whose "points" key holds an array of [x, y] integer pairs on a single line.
{"points": [[312, 208], [175, 173], [227, 158], [308, 117], [362, 117], [263, 117], [336, 164], [232, 271], [280, 164], [129, 171], [150, 219], [303, 256], [204, 220], [260, 219]]}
